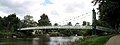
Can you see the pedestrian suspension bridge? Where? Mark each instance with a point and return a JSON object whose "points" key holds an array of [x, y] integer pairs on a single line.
{"points": [[93, 27]]}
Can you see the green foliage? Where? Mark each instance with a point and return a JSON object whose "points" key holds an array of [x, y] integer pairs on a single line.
{"points": [[77, 24], [86, 32], [56, 24], [84, 23], [65, 32], [44, 21], [69, 24], [1, 25], [97, 40], [9, 23], [28, 21], [71, 32], [54, 34], [5, 34], [109, 11]]}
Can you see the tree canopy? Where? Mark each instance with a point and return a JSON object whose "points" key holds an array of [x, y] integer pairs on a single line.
{"points": [[109, 11], [10, 22], [69, 24], [44, 21], [28, 21], [56, 24]]}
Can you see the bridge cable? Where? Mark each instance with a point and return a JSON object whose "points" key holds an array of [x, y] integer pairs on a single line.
{"points": [[73, 19]]}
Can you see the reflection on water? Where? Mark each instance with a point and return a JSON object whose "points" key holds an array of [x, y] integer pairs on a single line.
{"points": [[35, 41], [40, 41]]}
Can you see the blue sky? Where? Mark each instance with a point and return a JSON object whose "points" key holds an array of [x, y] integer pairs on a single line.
{"points": [[58, 11], [46, 2]]}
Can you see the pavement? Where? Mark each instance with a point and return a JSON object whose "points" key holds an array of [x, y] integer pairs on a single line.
{"points": [[115, 40]]}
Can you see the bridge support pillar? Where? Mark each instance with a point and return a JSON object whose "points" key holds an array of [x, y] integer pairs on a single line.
{"points": [[93, 22]]}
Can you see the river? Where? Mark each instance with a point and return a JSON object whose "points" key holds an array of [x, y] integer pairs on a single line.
{"points": [[41, 41]]}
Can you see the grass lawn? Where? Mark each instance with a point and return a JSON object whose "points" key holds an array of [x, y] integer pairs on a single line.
{"points": [[97, 40]]}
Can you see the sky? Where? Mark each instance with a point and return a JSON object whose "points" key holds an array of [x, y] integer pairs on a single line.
{"points": [[58, 11]]}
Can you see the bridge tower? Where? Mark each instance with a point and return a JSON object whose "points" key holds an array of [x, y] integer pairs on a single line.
{"points": [[93, 22]]}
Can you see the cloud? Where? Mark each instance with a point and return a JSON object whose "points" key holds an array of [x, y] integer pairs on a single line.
{"points": [[16, 6], [74, 6], [57, 10], [54, 12]]}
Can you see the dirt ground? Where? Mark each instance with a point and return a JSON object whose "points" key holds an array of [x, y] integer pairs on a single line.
{"points": [[115, 40]]}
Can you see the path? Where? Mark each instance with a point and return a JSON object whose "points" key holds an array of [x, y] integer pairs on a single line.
{"points": [[115, 40]]}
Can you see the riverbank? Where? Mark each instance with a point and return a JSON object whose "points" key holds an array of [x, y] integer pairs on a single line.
{"points": [[94, 40]]}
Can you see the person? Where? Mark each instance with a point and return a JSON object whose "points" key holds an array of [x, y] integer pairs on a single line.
{"points": [[76, 35]]}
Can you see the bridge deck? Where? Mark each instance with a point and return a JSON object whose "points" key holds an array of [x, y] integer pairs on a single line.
{"points": [[67, 27], [56, 27]]}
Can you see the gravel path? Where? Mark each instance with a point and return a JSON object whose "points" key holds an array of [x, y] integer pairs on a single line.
{"points": [[115, 40]]}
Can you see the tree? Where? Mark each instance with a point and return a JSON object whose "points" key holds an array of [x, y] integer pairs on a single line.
{"points": [[44, 21], [76, 24], [56, 24], [28, 21], [11, 22], [67, 32], [84, 23], [1, 25], [9, 25], [69, 24], [88, 23], [109, 11]]}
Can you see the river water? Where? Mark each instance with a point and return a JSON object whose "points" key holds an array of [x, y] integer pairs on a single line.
{"points": [[42, 41]]}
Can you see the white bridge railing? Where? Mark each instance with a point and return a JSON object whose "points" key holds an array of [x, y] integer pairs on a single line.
{"points": [[68, 27], [56, 27]]}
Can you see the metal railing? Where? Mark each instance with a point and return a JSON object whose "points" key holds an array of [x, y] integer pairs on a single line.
{"points": [[68, 27]]}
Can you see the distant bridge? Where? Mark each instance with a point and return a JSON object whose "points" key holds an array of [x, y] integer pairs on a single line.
{"points": [[93, 27], [67, 27]]}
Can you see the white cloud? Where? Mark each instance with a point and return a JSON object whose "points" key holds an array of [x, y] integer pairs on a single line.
{"points": [[57, 11]]}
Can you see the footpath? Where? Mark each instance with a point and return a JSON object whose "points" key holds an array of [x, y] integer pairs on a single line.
{"points": [[115, 40]]}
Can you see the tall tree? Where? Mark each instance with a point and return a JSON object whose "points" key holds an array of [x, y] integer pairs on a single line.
{"points": [[11, 22], [109, 11], [28, 21], [1, 25], [44, 21]]}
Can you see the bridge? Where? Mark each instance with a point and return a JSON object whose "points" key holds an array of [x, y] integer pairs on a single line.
{"points": [[67, 27], [93, 27]]}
